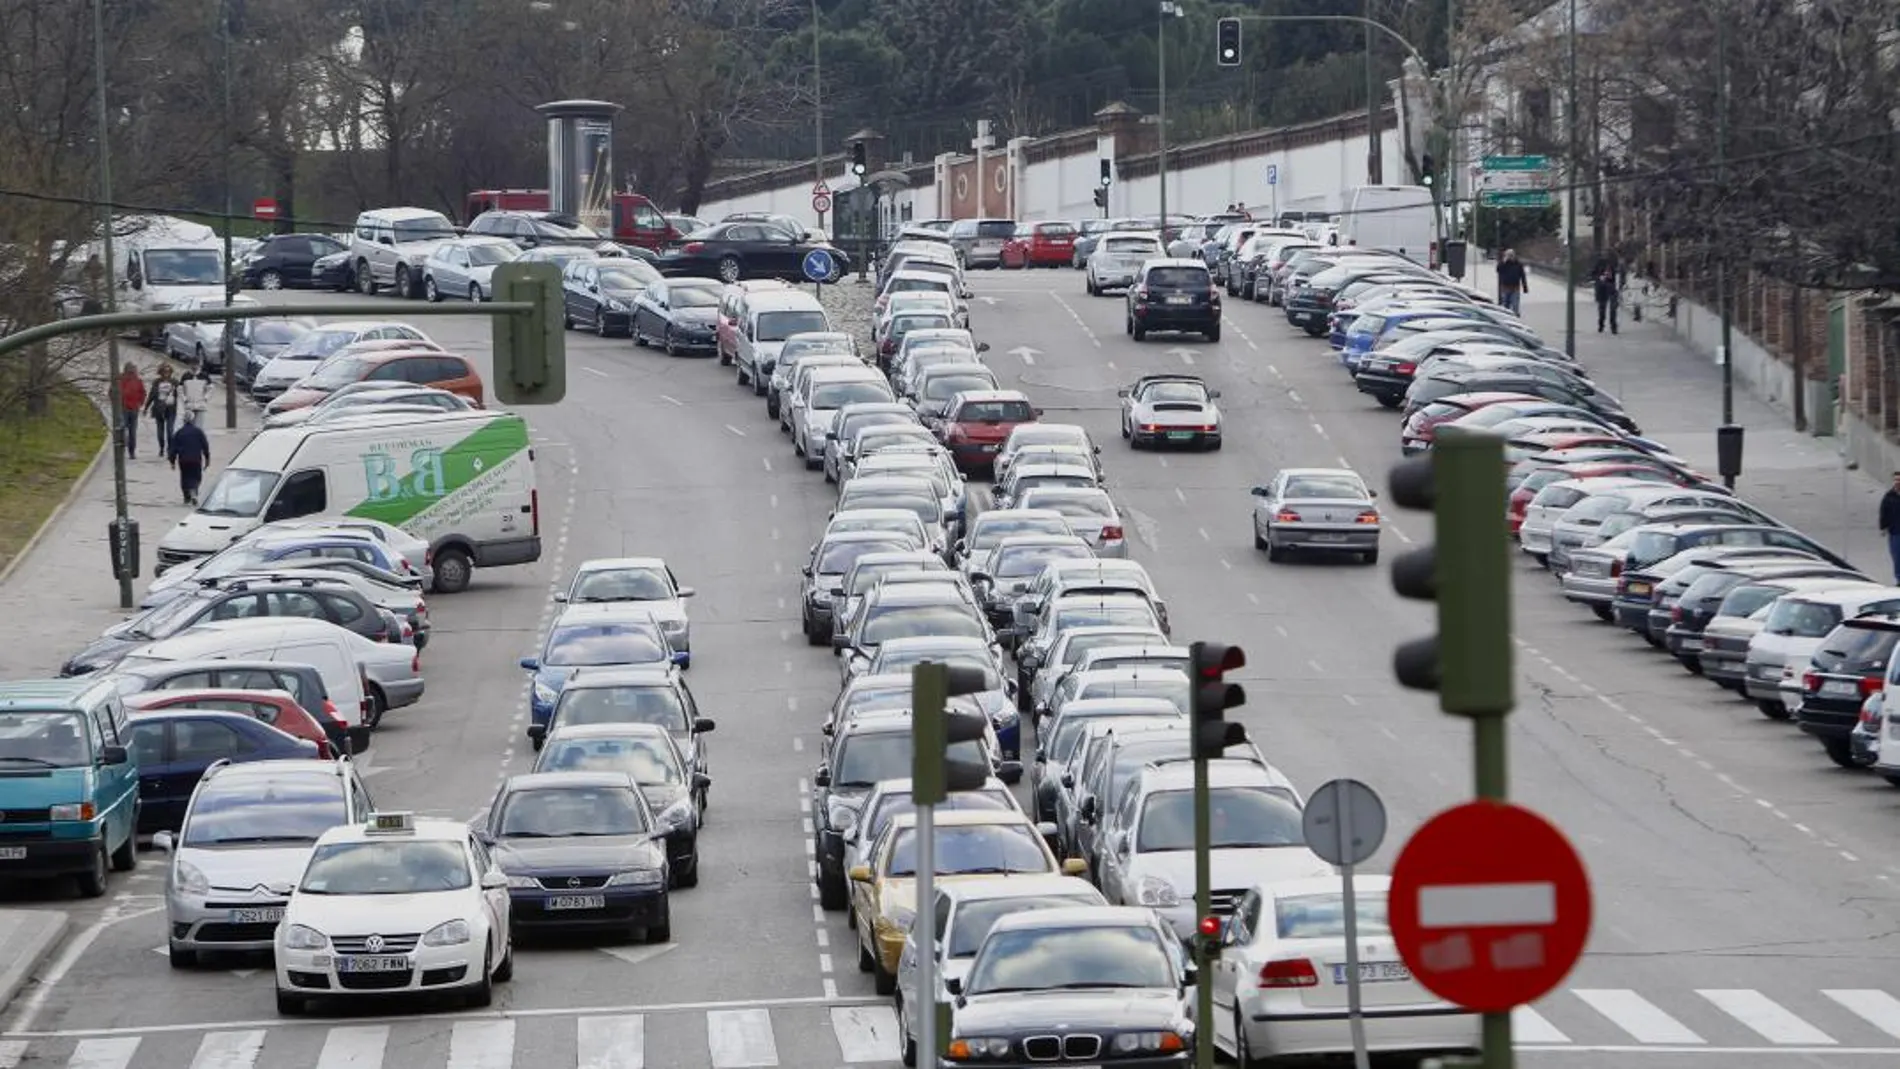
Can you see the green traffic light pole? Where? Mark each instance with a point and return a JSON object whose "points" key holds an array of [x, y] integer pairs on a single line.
{"points": [[1467, 571], [347, 309]]}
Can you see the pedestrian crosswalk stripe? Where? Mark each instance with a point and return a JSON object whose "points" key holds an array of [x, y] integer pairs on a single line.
{"points": [[612, 1042], [229, 1050], [12, 1053], [1768, 1018], [354, 1047], [866, 1033], [114, 1053], [1642, 1019], [1529, 1026], [1875, 1007], [482, 1045], [741, 1039]]}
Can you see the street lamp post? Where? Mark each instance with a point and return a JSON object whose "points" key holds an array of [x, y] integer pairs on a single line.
{"points": [[1570, 190], [120, 507], [1168, 9], [1375, 152], [817, 108], [230, 147]]}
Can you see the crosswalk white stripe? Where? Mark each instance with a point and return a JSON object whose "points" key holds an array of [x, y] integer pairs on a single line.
{"points": [[612, 1042], [1768, 1018], [1875, 1007], [354, 1047], [229, 1050], [1641, 1018], [114, 1053], [12, 1053], [740, 1039], [482, 1045], [1529, 1026], [866, 1033]]}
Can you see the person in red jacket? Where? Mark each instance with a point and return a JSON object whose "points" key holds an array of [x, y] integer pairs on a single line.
{"points": [[131, 404]]}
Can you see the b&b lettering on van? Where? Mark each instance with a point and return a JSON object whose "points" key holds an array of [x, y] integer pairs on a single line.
{"points": [[420, 484], [426, 480]]}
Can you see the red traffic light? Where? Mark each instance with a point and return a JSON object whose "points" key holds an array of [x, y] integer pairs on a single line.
{"points": [[1210, 926], [1213, 659]]}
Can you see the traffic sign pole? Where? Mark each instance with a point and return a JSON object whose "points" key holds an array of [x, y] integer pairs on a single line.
{"points": [[1344, 823], [1355, 1016]]}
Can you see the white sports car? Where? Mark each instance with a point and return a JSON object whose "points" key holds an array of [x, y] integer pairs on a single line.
{"points": [[1170, 410]]}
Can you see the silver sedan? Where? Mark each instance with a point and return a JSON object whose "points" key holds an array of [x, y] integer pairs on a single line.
{"points": [[1328, 509]]}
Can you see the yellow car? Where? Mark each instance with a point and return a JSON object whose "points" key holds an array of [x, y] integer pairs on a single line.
{"points": [[970, 843]]}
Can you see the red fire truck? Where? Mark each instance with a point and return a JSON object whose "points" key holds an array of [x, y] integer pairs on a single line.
{"points": [[636, 221]]}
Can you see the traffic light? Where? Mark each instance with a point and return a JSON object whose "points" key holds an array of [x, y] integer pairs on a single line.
{"points": [[530, 351], [1209, 932], [1467, 572], [936, 726], [1227, 38], [1101, 198], [1428, 173], [1108, 174], [1213, 696], [858, 166]]}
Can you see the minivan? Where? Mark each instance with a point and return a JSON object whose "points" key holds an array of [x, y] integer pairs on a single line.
{"points": [[765, 322], [70, 793]]}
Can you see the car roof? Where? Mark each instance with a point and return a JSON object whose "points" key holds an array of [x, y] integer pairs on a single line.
{"points": [[990, 395], [966, 817], [877, 513], [898, 556], [1021, 541], [1126, 674], [935, 642], [1044, 467], [602, 564], [906, 595], [984, 888], [607, 612], [1362, 882], [1172, 775], [1075, 917], [617, 675], [861, 535], [1023, 514], [276, 768], [879, 481], [618, 729], [1159, 649], [1321, 471], [1160, 708], [530, 781], [775, 300]]}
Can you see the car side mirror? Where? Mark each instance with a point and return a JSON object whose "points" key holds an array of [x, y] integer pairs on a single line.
{"points": [[976, 577], [1088, 810], [484, 836], [860, 874], [982, 347], [1068, 779], [113, 755], [829, 729], [837, 591], [701, 781], [1259, 491], [560, 599], [687, 592], [839, 642], [1372, 495], [1121, 393], [532, 664], [822, 777], [162, 840], [1047, 829], [1036, 412], [1096, 449], [1211, 394], [954, 985], [1191, 973], [704, 724], [681, 658], [1010, 772], [805, 571], [494, 881]]}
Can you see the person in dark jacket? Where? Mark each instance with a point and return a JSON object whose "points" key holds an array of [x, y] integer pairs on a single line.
{"points": [[1608, 293], [1890, 523], [161, 401], [1512, 280], [191, 452]]}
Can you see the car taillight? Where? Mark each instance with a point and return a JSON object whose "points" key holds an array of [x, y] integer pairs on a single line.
{"points": [[1871, 685], [1112, 533], [889, 346], [415, 662], [1406, 369], [363, 706], [1150, 428], [692, 247], [323, 750], [1810, 681], [329, 710], [1368, 516], [1141, 294], [1286, 516], [534, 510], [1869, 717], [1298, 972], [1616, 568], [1675, 615]]}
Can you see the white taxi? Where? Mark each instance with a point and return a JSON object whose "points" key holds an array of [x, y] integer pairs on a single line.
{"points": [[395, 905]]}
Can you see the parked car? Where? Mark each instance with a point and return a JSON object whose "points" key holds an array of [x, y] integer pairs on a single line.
{"points": [[465, 267], [288, 261]]}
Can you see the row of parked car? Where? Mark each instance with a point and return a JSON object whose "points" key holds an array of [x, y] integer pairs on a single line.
{"points": [[1631, 531]]}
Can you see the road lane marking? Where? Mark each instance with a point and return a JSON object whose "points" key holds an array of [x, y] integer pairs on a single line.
{"points": [[104, 1053], [611, 1042], [1767, 1018], [866, 1033], [735, 430], [1642, 1019], [1181, 495], [1875, 1007], [75, 949], [740, 1039], [767, 461], [672, 400], [595, 371], [1529, 1026], [354, 1048], [482, 1045]]}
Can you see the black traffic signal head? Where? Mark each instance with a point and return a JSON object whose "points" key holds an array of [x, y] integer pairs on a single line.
{"points": [[1101, 198], [1227, 42], [1108, 174], [1213, 696], [858, 165], [1428, 171], [1415, 573], [938, 724]]}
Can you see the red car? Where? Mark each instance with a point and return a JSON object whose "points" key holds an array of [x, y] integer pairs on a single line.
{"points": [[273, 707], [977, 423], [1040, 245], [1421, 427]]}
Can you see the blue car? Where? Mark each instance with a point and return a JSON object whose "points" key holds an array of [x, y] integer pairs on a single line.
{"points": [[258, 554], [172, 749], [1372, 327], [592, 636]]}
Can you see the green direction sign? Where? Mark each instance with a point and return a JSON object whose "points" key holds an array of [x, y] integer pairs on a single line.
{"points": [[1520, 198], [1517, 163]]}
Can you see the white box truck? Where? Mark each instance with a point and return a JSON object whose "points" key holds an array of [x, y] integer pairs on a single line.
{"points": [[1396, 219]]}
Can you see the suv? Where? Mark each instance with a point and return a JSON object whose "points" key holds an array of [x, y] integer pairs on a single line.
{"points": [[390, 245], [977, 422], [245, 839], [979, 242], [1176, 295]]}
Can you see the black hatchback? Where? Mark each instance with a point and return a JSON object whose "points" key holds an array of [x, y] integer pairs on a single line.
{"points": [[1175, 295], [1850, 667], [286, 261]]}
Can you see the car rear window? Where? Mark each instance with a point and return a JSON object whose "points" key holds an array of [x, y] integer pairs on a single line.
{"points": [[996, 412], [1055, 230], [996, 228], [1129, 245], [1557, 497], [1323, 916], [1180, 278], [1801, 619], [1858, 646]]}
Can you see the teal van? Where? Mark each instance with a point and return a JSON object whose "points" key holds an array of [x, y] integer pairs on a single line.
{"points": [[69, 792]]}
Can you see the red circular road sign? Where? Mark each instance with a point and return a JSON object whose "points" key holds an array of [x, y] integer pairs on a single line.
{"points": [[821, 202], [1489, 906], [264, 208]]}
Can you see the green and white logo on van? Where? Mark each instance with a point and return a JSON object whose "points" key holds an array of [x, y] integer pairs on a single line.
{"points": [[424, 485]]}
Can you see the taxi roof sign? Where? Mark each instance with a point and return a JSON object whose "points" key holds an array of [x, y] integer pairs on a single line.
{"points": [[387, 823]]}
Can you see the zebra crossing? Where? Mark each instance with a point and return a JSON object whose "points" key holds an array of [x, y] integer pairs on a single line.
{"points": [[853, 1034]]}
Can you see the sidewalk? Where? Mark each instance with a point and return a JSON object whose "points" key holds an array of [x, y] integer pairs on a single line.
{"points": [[1675, 393], [27, 937], [62, 591]]}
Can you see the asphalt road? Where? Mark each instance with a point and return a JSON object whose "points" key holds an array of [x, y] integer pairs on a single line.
{"points": [[1738, 881]]}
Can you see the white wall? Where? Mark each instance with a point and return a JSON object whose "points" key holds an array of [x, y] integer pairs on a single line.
{"points": [[795, 201]]}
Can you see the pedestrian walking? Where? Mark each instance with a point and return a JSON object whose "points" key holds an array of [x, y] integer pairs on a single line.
{"points": [[1608, 294], [1513, 282], [131, 404], [198, 395], [161, 402], [1890, 523], [191, 452]]}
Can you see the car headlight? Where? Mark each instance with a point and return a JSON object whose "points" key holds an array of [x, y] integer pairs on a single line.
{"points": [[616, 305], [673, 627], [75, 810], [1149, 1042], [189, 878], [647, 878], [544, 694], [979, 1047], [301, 937], [840, 816], [899, 916], [1155, 891], [524, 883], [1003, 715], [679, 814], [446, 934]]}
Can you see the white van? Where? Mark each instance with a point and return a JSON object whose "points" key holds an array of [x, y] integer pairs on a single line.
{"points": [[1392, 219], [160, 261], [318, 643], [462, 481], [769, 319]]}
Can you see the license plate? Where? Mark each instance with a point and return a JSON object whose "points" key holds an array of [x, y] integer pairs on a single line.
{"points": [[1180, 436], [559, 902], [1301, 317], [262, 915], [1688, 645], [1180, 300], [1372, 972], [1840, 688], [1639, 590], [372, 963], [991, 448], [12, 853]]}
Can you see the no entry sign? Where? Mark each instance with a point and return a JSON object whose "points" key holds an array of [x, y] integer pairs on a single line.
{"points": [[264, 208], [1489, 906]]}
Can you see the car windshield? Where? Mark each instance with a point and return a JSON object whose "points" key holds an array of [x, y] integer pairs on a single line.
{"points": [[831, 395], [846, 523], [836, 558], [387, 867], [688, 296], [943, 387], [623, 584], [1141, 660], [339, 372], [44, 740], [648, 759], [622, 280], [585, 645], [904, 324], [1107, 614], [294, 809], [988, 534], [918, 285], [1241, 818], [1077, 507], [269, 333], [1175, 391], [661, 706], [431, 227], [1326, 487], [558, 812], [1802, 619], [975, 919], [897, 803], [870, 758], [970, 849], [1323, 916], [183, 267], [778, 326], [1019, 561], [488, 255], [238, 492], [921, 621], [890, 661], [1080, 958], [813, 345], [316, 343]]}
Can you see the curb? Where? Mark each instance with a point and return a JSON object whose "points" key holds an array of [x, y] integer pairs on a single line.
{"points": [[79, 484], [38, 945]]}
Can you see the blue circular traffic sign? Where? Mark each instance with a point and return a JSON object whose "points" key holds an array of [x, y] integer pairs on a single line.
{"points": [[819, 266]]}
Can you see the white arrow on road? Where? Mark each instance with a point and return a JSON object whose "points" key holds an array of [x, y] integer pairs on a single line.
{"points": [[1186, 355], [1028, 355], [639, 955]]}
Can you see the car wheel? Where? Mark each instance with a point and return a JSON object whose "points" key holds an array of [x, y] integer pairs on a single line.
{"points": [[92, 882], [365, 285], [429, 292], [667, 344], [1258, 541], [482, 995], [378, 704], [600, 323], [289, 1005], [1841, 753], [270, 280], [663, 931], [181, 959], [403, 282], [1140, 332], [689, 875], [1772, 710], [831, 895], [126, 857], [453, 571], [729, 270], [506, 970], [475, 294], [725, 358], [1213, 334], [1370, 556], [1603, 613], [1275, 554]]}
